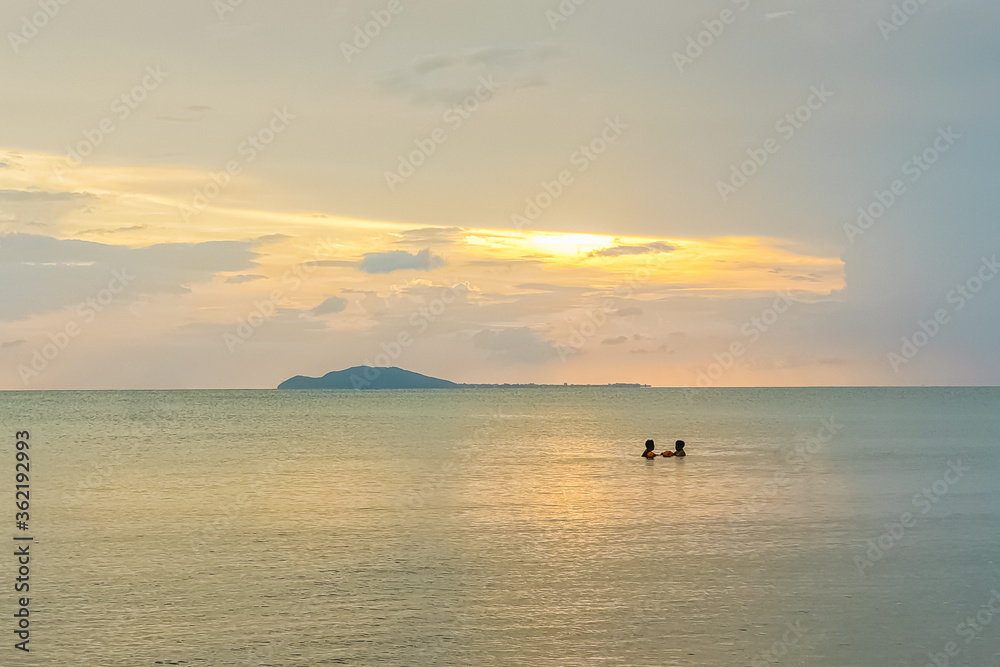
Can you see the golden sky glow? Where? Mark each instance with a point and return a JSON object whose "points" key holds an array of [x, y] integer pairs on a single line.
{"points": [[594, 195], [140, 206], [536, 287]]}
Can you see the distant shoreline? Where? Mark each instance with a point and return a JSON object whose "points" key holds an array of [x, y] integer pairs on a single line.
{"points": [[514, 386], [616, 385], [532, 385], [371, 377]]}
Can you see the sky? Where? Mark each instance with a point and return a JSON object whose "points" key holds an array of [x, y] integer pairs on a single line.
{"points": [[224, 194]]}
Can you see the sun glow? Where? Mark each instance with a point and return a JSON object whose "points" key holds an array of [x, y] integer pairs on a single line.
{"points": [[138, 206], [569, 245]]}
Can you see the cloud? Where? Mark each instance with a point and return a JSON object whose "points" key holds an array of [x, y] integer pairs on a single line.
{"points": [[42, 195], [333, 304], [372, 305], [549, 288], [615, 341], [39, 274], [194, 112], [41, 209], [447, 78], [505, 264], [400, 260], [271, 238], [132, 228], [245, 278], [324, 263], [649, 248], [433, 235], [520, 345]]}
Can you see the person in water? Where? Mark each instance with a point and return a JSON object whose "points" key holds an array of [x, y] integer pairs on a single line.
{"points": [[678, 449], [648, 454]]}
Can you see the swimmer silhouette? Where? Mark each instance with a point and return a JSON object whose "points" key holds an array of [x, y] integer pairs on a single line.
{"points": [[648, 454], [678, 449]]}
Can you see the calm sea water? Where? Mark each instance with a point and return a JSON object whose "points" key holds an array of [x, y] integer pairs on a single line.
{"points": [[509, 527]]}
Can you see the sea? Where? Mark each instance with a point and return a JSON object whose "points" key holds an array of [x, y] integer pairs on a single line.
{"points": [[809, 526]]}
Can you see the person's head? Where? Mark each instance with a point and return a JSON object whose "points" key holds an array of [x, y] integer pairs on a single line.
{"points": [[649, 446], [679, 446]]}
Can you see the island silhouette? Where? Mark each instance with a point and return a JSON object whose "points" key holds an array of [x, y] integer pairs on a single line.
{"points": [[368, 377], [380, 377]]}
